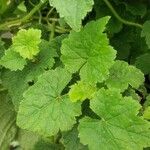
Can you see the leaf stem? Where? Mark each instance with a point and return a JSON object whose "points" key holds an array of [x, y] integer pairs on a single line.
{"points": [[24, 19], [119, 18]]}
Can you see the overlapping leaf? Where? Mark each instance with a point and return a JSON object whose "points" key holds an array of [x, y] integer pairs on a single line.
{"points": [[44, 108], [89, 52], [142, 62], [71, 140], [17, 82], [12, 61], [73, 10], [81, 91], [122, 75], [119, 127]]}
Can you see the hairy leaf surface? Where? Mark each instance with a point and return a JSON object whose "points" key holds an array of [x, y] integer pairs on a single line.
{"points": [[73, 10], [122, 75], [12, 60], [26, 42], [89, 52], [44, 108], [7, 121], [120, 128]]}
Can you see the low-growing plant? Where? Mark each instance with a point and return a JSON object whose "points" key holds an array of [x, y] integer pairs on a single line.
{"points": [[74, 75]]}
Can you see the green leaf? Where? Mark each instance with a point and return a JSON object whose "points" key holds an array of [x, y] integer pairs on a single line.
{"points": [[146, 113], [44, 60], [89, 52], [73, 10], [146, 32], [142, 62], [12, 60], [122, 75], [3, 5], [71, 140], [81, 91], [119, 127], [24, 139], [44, 108], [45, 145], [26, 42], [2, 48], [17, 82], [7, 123], [136, 8]]}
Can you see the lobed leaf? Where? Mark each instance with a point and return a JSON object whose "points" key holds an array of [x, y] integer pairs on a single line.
{"points": [[89, 52], [73, 10], [26, 42], [44, 108], [119, 127], [122, 75]]}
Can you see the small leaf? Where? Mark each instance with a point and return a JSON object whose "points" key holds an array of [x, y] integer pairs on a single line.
{"points": [[12, 60], [26, 42], [122, 75], [81, 91], [71, 140]]}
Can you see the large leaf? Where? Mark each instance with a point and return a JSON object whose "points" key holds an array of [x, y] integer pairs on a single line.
{"points": [[44, 108], [120, 128], [73, 10], [88, 51]]}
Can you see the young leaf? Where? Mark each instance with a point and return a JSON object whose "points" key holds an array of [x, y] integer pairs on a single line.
{"points": [[73, 10], [44, 108], [119, 127], [12, 60], [146, 32], [89, 52], [26, 42], [81, 91], [122, 75]]}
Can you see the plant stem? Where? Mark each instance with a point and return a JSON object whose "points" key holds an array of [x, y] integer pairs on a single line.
{"points": [[119, 18], [52, 34], [22, 20]]}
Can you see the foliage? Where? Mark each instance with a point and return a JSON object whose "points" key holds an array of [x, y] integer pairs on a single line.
{"points": [[74, 74]]}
